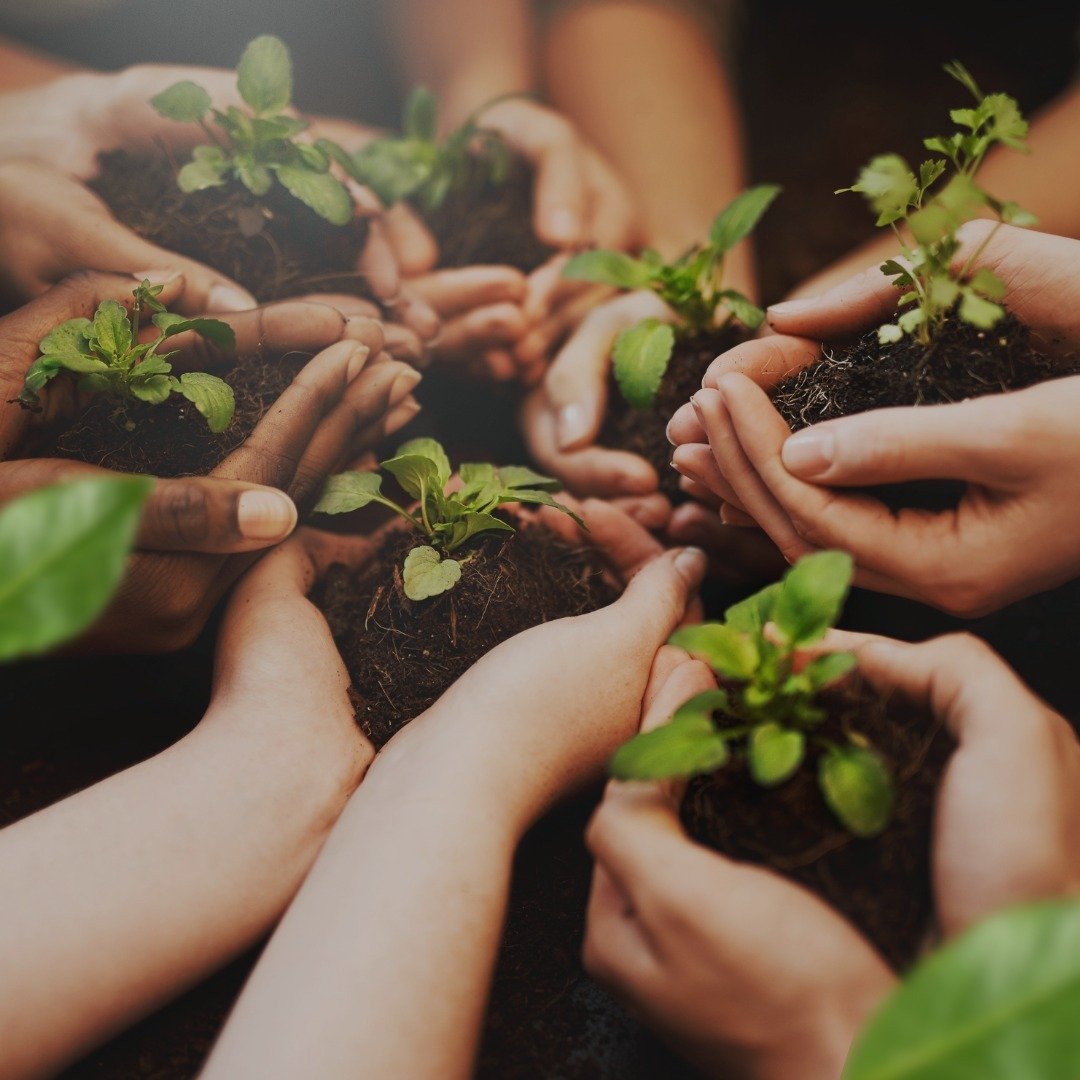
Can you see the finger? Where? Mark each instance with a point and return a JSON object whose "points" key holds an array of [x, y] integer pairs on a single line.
{"points": [[404, 344], [614, 223], [349, 306], [685, 427], [414, 312], [652, 512], [561, 200], [733, 516], [453, 292], [696, 461], [543, 286], [537, 344], [377, 264], [480, 328], [860, 302], [701, 494], [616, 951], [766, 360], [737, 555], [410, 239]]}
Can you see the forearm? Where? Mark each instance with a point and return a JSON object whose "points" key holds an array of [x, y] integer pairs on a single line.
{"points": [[467, 51], [675, 135], [116, 899]]}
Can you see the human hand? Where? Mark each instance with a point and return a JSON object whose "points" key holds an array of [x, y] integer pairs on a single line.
{"points": [[197, 532]]}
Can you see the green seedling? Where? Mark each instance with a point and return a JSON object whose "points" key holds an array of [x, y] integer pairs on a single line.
{"points": [[259, 144], [769, 706], [418, 166], [106, 355], [445, 519], [692, 286], [931, 207]]}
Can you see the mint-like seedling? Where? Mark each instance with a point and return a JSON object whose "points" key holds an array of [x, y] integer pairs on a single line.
{"points": [[932, 211], [692, 286], [258, 145], [106, 355], [773, 707], [446, 519]]}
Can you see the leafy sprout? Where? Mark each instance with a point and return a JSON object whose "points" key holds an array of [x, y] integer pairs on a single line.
{"points": [[446, 519], [418, 166], [106, 355], [257, 145], [692, 286], [932, 211], [770, 704]]}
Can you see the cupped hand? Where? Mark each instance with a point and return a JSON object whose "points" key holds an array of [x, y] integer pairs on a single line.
{"points": [[198, 533]]}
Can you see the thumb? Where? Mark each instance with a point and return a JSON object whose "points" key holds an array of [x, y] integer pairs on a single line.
{"points": [[561, 196], [856, 304], [655, 601]]}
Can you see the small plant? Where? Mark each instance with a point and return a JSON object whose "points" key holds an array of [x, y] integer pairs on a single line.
{"points": [[771, 700], [692, 286], [417, 165], [446, 519], [933, 288], [256, 146], [106, 354]]}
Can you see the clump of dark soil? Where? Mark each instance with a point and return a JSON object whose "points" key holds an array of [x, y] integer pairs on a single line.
{"points": [[275, 247], [172, 439], [883, 884], [486, 224], [644, 431], [401, 654]]}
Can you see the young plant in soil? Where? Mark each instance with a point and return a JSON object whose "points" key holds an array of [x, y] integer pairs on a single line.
{"points": [[795, 768], [952, 338], [256, 201], [473, 191], [657, 366]]}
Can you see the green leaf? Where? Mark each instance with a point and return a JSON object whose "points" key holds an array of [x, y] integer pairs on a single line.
{"points": [[888, 185], [215, 331], [213, 397], [323, 193], [828, 669], [774, 753], [608, 268], [421, 115], [750, 315], [980, 313], [740, 217], [472, 524], [1014, 214], [959, 201], [957, 71], [393, 169], [69, 339], [749, 616], [540, 498], [640, 358], [349, 491], [690, 745], [433, 451], [40, 372], [153, 390], [185, 102], [258, 179], [889, 334], [520, 476], [202, 173], [858, 789], [264, 75], [62, 554], [81, 363], [727, 650], [998, 1003], [339, 154], [112, 328], [417, 474], [427, 574], [812, 593], [986, 283], [1007, 123]]}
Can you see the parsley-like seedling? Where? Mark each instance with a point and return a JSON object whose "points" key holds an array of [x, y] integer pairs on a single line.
{"points": [[106, 355], [772, 706], [933, 288], [258, 145], [446, 519], [692, 286], [419, 166]]}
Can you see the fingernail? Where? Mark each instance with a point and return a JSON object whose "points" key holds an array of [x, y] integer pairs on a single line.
{"points": [[563, 225], [404, 384], [667, 432], [573, 425], [695, 406], [402, 414], [691, 563], [791, 307], [809, 453], [158, 277], [358, 359], [675, 466], [229, 298], [263, 514]]}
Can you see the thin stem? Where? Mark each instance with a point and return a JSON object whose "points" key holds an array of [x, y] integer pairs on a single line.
{"points": [[210, 133]]}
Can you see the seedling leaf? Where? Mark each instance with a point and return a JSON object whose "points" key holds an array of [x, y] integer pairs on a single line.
{"points": [[689, 745], [264, 75], [349, 491], [323, 193], [740, 217], [213, 397], [858, 788], [608, 268], [183, 101], [431, 450], [722, 647], [427, 573], [812, 593], [774, 753], [640, 358]]}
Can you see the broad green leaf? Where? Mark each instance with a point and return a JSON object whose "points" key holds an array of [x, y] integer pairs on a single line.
{"points": [[998, 1003], [888, 185], [213, 397], [81, 363], [980, 313], [68, 339], [689, 745], [393, 169], [608, 268], [339, 154], [62, 554], [471, 524], [258, 179], [312, 157], [739, 218], [702, 705], [750, 615], [349, 491], [858, 789], [911, 320], [943, 293], [427, 574], [40, 372], [986, 283], [421, 115], [185, 102], [774, 753], [200, 175], [1007, 124], [959, 201], [153, 390], [112, 328], [540, 498], [750, 315], [828, 669], [153, 365], [215, 331], [323, 193], [521, 476], [264, 75], [433, 451], [812, 593], [417, 474], [727, 650], [640, 358], [889, 334]]}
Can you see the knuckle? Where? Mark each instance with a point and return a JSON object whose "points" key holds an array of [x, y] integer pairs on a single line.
{"points": [[184, 510]]}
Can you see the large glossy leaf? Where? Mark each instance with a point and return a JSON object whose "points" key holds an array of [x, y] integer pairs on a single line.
{"points": [[999, 1003], [62, 554], [264, 75]]}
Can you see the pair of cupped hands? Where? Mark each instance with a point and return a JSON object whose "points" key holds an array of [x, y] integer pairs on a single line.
{"points": [[52, 224]]}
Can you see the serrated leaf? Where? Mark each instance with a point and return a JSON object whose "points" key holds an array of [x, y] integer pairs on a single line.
{"points": [[112, 328], [213, 397], [264, 75], [640, 358], [985, 282], [911, 320], [725, 649], [421, 115], [749, 616], [608, 268], [185, 102], [811, 596], [888, 185], [889, 334], [690, 745], [322, 192], [1014, 214], [774, 753], [257, 178], [427, 574], [858, 789], [349, 491], [68, 339], [433, 451], [739, 218]]}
